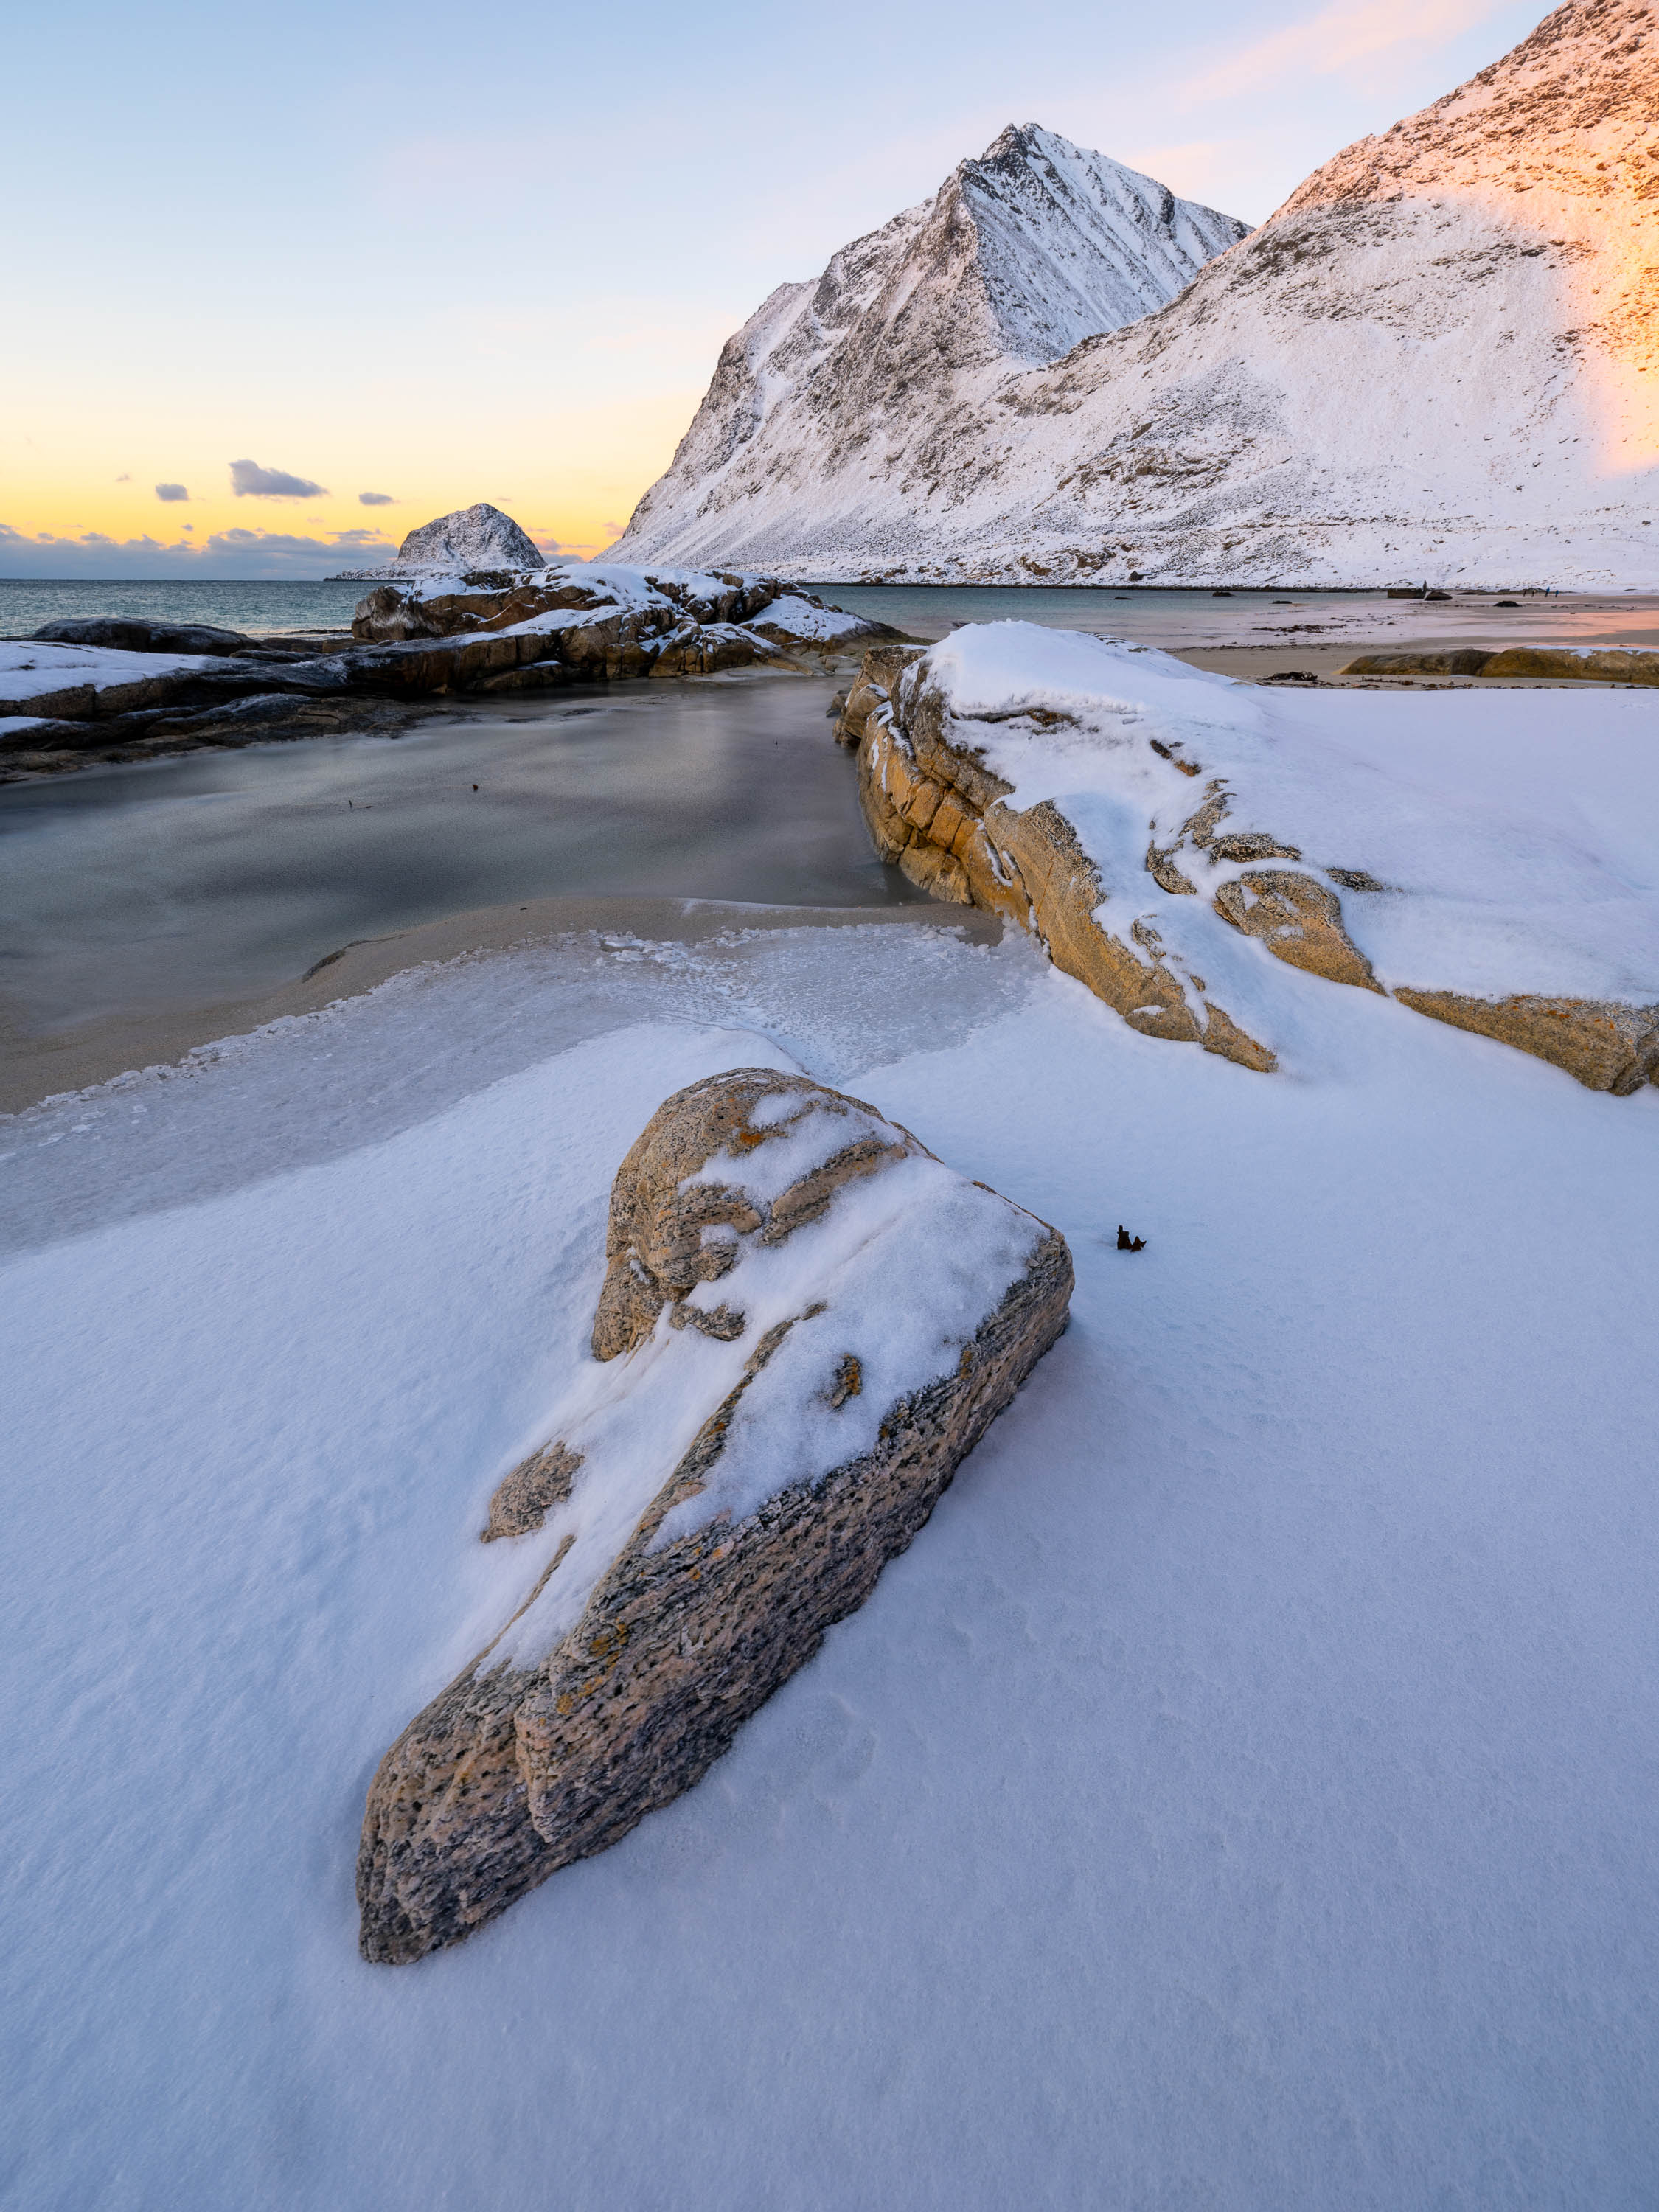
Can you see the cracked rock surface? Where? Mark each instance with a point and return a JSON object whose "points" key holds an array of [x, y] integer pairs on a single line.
{"points": [[706, 1501]]}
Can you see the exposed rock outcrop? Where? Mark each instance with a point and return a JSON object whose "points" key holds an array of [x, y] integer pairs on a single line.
{"points": [[1607, 1046], [1010, 769], [426, 634], [597, 618], [1587, 664], [680, 1544], [935, 808]]}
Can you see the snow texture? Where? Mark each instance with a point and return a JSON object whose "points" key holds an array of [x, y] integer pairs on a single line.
{"points": [[30, 670], [1238, 1795], [899, 1274], [1439, 358], [838, 383], [1513, 831]]}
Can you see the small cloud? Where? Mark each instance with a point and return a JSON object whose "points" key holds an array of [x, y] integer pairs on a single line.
{"points": [[189, 527], [615, 528], [95, 538], [276, 544], [124, 479], [375, 499], [360, 537], [170, 492], [249, 481]]}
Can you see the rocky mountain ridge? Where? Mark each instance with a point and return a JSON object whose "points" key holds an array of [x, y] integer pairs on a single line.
{"points": [[1434, 359], [837, 383]]}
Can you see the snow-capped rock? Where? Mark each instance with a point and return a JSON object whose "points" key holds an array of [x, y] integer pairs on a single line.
{"points": [[477, 537], [828, 402], [806, 1322], [1439, 358], [1145, 819], [605, 619]]}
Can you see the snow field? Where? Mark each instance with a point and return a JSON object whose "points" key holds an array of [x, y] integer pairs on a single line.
{"points": [[1242, 1794]]}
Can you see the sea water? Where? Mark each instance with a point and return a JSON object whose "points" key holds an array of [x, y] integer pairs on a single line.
{"points": [[211, 875]]}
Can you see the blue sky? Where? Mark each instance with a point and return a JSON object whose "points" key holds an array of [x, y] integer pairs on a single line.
{"points": [[437, 256]]}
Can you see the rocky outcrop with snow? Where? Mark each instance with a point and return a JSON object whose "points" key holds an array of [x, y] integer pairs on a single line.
{"points": [[477, 537], [807, 1321], [1439, 358], [1163, 830], [826, 409], [425, 634], [603, 619]]}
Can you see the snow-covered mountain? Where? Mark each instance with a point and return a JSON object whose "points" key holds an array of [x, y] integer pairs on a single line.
{"points": [[836, 386], [1439, 358]]}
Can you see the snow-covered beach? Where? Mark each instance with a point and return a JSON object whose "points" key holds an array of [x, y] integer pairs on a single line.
{"points": [[829, 1259], [1239, 1793]]}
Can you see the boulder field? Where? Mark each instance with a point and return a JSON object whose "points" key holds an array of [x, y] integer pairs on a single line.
{"points": [[1142, 818], [807, 1321]]}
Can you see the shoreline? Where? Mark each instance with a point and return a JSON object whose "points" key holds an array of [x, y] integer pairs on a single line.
{"points": [[36, 1065]]}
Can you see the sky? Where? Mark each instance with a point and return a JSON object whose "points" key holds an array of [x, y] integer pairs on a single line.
{"points": [[280, 285]]}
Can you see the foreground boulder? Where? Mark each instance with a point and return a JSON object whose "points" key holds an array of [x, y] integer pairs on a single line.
{"points": [[815, 1321], [1120, 805]]}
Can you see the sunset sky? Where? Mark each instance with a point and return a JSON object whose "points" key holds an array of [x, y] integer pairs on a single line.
{"points": [[438, 256]]}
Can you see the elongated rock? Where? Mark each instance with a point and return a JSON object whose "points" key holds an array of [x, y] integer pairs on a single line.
{"points": [[1095, 793], [807, 1321]]}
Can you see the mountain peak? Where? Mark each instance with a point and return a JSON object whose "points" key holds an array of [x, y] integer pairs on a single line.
{"points": [[1023, 252]]}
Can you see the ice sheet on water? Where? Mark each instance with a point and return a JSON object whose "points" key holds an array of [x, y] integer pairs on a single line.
{"points": [[319, 1085]]}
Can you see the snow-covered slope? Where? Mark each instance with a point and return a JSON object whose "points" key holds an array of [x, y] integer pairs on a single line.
{"points": [[1438, 358], [838, 383]]}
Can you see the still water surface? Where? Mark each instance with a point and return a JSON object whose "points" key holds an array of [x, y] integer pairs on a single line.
{"points": [[217, 874]]}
